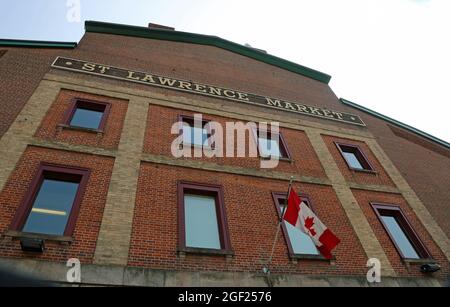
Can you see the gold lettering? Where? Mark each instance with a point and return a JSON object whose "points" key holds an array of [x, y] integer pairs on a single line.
{"points": [[315, 111], [302, 108], [275, 103], [242, 96], [215, 91], [327, 113], [339, 115], [289, 105], [148, 78], [103, 69], [229, 93], [167, 81], [200, 88], [88, 67], [185, 85], [131, 76]]}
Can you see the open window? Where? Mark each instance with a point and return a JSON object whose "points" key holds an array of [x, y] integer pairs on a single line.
{"points": [[354, 157]]}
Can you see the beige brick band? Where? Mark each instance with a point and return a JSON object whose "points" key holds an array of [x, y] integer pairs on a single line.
{"points": [[20, 133], [115, 232], [359, 222]]}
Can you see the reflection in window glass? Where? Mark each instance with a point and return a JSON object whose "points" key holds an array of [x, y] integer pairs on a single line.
{"points": [[86, 118], [201, 221], [352, 160], [195, 135], [301, 243], [52, 207], [269, 147], [400, 237]]}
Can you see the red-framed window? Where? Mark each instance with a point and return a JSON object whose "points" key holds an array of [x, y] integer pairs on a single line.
{"points": [[299, 243], [354, 156], [400, 231], [52, 202], [202, 219], [87, 114], [195, 135], [271, 145]]}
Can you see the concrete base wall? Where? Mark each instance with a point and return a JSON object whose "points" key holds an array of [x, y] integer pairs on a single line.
{"points": [[112, 275]]}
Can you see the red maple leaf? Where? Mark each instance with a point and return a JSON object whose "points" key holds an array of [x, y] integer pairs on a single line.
{"points": [[309, 222]]}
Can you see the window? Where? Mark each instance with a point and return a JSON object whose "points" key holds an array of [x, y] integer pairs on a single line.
{"points": [[52, 202], [298, 242], [202, 218], [272, 145], [405, 240], [354, 157], [88, 114], [192, 135]]}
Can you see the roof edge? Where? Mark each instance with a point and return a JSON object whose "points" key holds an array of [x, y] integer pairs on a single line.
{"points": [[201, 39], [396, 123], [36, 44]]}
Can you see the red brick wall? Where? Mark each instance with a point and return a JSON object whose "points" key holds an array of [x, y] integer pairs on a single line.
{"points": [[21, 70], [158, 141], [378, 178], [50, 126], [91, 210], [364, 198], [215, 66], [252, 222]]}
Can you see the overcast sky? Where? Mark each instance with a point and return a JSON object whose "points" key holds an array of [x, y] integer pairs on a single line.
{"points": [[392, 56]]}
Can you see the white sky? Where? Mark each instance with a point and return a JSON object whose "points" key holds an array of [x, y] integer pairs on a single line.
{"points": [[392, 56]]}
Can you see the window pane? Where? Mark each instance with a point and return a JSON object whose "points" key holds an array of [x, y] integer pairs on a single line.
{"points": [[201, 221], [352, 160], [269, 147], [400, 237], [301, 243], [52, 207], [195, 135], [86, 118]]}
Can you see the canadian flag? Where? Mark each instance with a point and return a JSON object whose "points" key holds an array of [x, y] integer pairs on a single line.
{"points": [[301, 216]]}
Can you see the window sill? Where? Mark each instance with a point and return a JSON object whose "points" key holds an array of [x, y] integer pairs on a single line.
{"points": [[367, 171], [196, 146], [311, 257], [280, 159], [418, 261], [14, 234], [75, 128], [205, 251]]}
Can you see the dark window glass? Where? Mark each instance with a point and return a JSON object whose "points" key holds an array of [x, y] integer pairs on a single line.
{"points": [[86, 118], [202, 229], [399, 236], [52, 207]]}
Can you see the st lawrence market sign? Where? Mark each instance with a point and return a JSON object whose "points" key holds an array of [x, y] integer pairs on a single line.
{"points": [[202, 89]]}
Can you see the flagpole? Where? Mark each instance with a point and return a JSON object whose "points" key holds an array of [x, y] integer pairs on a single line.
{"points": [[266, 269]]}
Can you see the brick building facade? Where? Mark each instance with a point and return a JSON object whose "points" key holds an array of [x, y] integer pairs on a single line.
{"points": [[126, 223]]}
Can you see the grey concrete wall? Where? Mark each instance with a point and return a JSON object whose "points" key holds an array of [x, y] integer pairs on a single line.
{"points": [[115, 275]]}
